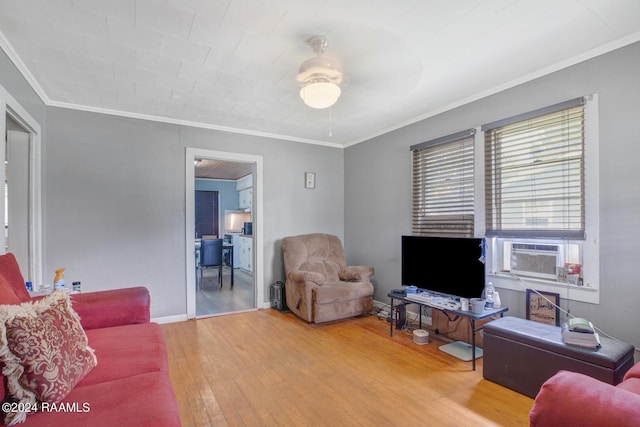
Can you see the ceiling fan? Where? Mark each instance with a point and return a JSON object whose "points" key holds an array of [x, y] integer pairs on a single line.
{"points": [[320, 77]]}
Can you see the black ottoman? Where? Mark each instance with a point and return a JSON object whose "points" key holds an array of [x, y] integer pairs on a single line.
{"points": [[522, 354]]}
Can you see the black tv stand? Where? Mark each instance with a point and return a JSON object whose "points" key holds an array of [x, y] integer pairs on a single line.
{"points": [[402, 297]]}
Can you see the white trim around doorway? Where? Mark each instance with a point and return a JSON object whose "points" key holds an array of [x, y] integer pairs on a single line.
{"points": [[9, 106], [191, 155]]}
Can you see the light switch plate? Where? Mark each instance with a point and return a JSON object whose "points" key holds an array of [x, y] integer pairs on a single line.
{"points": [[309, 180]]}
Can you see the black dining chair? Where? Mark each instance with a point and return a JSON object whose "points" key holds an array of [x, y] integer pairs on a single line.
{"points": [[211, 256]]}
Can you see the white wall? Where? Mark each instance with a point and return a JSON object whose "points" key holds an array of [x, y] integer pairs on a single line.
{"points": [[378, 182]]}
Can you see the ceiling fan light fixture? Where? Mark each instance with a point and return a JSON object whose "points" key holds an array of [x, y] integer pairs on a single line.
{"points": [[320, 77], [320, 94]]}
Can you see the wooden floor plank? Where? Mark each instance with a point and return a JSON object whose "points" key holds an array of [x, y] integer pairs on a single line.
{"points": [[266, 368]]}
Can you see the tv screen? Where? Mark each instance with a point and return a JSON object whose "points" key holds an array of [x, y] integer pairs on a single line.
{"points": [[448, 265]]}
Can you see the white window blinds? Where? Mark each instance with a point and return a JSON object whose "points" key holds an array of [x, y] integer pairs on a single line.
{"points": [[443, 186], [534, 169]]}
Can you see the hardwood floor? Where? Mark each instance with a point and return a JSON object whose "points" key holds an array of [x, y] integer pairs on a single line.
{"points": [[266, 368]]}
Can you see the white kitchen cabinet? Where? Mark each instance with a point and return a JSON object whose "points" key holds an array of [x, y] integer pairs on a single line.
{"points": [[245, 198], [244, 182], [245, 249]]}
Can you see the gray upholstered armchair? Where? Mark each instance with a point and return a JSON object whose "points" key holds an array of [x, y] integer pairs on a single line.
{"points": [[320, 286]]}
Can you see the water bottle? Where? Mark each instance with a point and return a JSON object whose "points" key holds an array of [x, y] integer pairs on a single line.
{"points": [[488, 295]]}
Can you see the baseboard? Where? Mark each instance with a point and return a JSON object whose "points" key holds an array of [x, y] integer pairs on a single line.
{"points": [[170, 319], [380, 305], [183, 317], [266, 304]]}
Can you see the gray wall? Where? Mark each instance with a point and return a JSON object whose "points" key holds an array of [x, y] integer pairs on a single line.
{"points": [[378, 183], [115, 200]]}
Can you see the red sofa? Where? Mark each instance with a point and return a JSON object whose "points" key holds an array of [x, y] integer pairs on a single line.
{"points": [[570, 399], [130, 385]]}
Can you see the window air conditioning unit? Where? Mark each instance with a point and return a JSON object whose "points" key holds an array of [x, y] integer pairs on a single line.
{"points": [[536, 260]]}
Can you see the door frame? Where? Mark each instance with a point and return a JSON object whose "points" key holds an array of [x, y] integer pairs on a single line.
{"points": [[257, 210], [9, 106]]}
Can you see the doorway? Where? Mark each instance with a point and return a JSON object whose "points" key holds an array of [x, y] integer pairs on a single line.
{"points": [[210, 171], [225, 281], [21, 204]]}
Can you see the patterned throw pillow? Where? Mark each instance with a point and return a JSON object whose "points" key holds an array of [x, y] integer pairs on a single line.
{"points": [[44, 350]]}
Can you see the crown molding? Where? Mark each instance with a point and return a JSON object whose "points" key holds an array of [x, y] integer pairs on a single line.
{"points": [[7, 47], [606, 48], [188, 123], [601, 50]]}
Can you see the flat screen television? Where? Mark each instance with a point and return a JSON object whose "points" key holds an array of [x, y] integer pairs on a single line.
{"points": [[447, 265]]}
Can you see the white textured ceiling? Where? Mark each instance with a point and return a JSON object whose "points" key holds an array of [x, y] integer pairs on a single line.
{"points": [[232, 64]]}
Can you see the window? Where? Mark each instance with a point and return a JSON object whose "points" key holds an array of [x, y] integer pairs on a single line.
{"points": [[541, 199], [443, 186], [535, 174], [530, 185]]}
